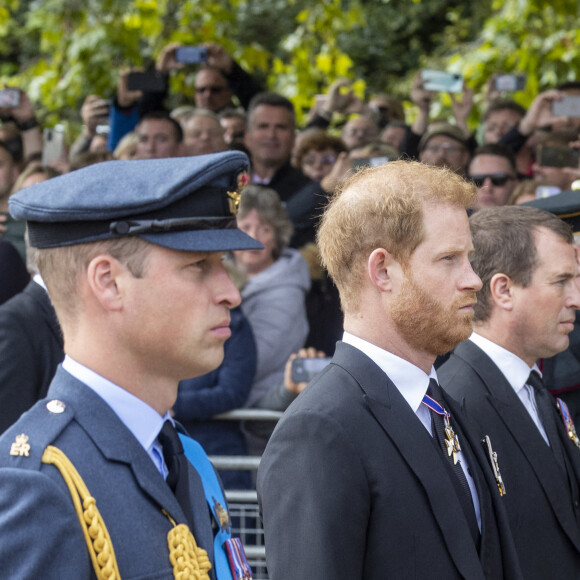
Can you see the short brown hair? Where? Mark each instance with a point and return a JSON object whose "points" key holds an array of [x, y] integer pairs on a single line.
{"points": [[267, 204], [503, 241], [318, 140], [382, 207], [62, 267]]}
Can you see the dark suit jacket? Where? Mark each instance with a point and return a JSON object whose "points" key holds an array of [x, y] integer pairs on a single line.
{"points": [[31, 348], [351, 485], [304, 201], [543, 512], [40, 531]]}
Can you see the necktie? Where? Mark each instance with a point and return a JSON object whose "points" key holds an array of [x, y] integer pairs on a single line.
{"points": [[176, 462], [446, 437], [546, 412]]}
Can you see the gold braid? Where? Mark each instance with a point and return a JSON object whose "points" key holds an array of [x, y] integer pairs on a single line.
{"points": [[94, 529], [189, 561]]}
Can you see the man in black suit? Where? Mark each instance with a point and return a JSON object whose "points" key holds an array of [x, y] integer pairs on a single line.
{"points": [[525, 311], [31, 348], [270, 139], [363, 477]]}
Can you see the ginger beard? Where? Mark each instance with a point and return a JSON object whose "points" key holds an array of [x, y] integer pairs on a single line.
{"points": [[427, 324]]}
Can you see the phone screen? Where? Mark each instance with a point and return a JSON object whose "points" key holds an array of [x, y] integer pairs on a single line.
{"points": [[509, 83], [437, 80], [191, 54], [152, 82], [9, 97], [53, 146], [305, 369], [567, 107], [555, 156]]}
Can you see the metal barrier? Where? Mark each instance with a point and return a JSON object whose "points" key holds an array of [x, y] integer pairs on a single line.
{"points": [[243, 504]]}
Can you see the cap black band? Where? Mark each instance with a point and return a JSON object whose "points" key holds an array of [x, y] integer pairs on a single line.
{"points": [[54, 234]]}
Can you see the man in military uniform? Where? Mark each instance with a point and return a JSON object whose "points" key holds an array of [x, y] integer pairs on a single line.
{"points": [[93, 481]]}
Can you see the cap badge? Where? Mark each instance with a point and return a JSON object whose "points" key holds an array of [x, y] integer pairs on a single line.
{"points": [[20, 447], [234, 201], [56, 406]]}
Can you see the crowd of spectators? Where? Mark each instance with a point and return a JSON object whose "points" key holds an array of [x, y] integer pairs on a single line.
{"points": [[288, 300]]}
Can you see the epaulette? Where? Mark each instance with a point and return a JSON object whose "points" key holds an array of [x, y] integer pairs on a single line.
{"points": [[22, 444]]}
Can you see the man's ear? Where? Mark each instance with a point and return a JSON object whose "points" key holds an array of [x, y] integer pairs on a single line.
{"points": [[380, 268], [103, 272], [501, 289]]}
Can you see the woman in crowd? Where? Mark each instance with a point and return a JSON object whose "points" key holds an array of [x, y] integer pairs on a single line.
{"points": [[317, 152], [273, 297]]}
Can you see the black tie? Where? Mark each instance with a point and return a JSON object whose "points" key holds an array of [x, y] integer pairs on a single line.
{"points": [[546, 412], [460, 481], [176, 462]]}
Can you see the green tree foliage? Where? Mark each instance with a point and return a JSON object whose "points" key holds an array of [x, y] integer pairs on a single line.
{"points": [[63, 50], [536, 38]]}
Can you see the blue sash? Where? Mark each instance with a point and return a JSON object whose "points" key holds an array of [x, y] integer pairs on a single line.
{"points": [[213, 494]]}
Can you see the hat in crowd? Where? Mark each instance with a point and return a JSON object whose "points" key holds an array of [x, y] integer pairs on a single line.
{"points": [[565, 205], [183, 203], [446, 129]]}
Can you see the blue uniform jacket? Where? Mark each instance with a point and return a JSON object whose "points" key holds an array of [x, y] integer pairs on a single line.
{"points": [[40, 535]]}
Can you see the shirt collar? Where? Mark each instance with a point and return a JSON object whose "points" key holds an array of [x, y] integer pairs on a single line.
{"points": [[38, 279], [409, 379], [515, 370], [141, 419], [261, 180]]}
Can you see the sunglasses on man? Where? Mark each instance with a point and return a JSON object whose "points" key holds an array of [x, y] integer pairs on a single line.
{"points": [[497, 179]]}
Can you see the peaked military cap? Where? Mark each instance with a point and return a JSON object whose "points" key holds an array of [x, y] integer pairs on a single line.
{"points": [[183, 203], [565, 205]]}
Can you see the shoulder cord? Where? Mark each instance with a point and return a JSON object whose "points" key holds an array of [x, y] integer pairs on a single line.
{"points": [[94, 529], [189, 561]]}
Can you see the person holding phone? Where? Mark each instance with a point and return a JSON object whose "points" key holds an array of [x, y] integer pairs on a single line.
{"points": [[274, 295], [20, 112], [556, 161]]}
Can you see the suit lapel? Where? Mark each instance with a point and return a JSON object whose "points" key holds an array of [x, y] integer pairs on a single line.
{"points": [[517, 421], [414, 444]]}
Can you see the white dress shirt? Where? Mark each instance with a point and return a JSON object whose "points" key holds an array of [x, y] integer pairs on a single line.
{"points": [[412, 383], [516, 372]]}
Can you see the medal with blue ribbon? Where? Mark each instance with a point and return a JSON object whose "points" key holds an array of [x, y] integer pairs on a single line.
{"points": [[451, 440], [570, 428]]}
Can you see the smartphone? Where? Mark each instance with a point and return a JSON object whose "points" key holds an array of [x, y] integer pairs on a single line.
{"points": [[9, 98], [438, 80], [53, 144], [567, 107], [369, 161], [150, 82], [305, 369], [509, 83], [557, 156], [191, 54]]}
